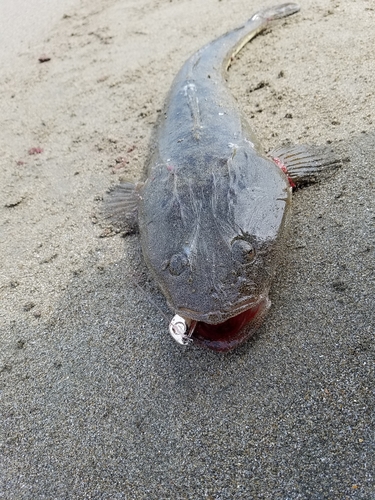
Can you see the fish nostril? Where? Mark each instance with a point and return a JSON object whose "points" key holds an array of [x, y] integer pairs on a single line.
{"points": [[178, 264]]}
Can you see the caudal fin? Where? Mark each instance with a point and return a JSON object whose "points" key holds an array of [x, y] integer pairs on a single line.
{"points": [[276, 12]]}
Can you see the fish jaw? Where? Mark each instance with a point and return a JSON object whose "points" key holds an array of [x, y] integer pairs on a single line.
{"points": [[233, 332]]}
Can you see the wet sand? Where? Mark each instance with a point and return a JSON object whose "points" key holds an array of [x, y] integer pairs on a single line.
{"points": [[97, 401]]}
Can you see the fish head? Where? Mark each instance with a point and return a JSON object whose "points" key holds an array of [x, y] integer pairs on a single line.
{"points": [[212, 244], [217, 278]]}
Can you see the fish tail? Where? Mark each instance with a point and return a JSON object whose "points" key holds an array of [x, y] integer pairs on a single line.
{"points": [[255, 25], [276, 12]]}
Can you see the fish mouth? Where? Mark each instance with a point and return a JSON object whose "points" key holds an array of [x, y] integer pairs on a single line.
{"points": [[221, 315], [232, 331]]}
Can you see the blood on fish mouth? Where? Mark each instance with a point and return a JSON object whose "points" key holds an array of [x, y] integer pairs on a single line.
{"points": [[232, 332]]}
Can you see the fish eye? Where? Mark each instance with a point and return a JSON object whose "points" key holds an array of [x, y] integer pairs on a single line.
{"points": [[178, 263], [243, 251]]}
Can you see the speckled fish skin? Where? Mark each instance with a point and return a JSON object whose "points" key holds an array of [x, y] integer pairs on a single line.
{"points": [[213, 209]]}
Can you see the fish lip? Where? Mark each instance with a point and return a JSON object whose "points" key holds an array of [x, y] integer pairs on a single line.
{"points": [[221, 315]]}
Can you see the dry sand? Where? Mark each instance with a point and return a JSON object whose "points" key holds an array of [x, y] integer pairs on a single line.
{"points": [[97, 401]]}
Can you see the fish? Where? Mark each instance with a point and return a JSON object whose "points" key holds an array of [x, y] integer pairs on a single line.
{"points": [[213, 211]]}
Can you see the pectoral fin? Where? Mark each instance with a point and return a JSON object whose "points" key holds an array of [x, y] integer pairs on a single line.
{"points": [[305, 164], [121, 206]]}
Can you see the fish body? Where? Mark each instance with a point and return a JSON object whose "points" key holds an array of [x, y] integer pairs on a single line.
{"points": [[213, 210]]}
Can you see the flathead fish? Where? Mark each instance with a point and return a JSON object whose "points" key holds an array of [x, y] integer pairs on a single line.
{"points": [[212, 213]]}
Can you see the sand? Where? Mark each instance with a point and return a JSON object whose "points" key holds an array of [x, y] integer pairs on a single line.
{"points": [[97, 401]]}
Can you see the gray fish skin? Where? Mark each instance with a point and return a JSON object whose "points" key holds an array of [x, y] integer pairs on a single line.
{"points": [[213, 209]]}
